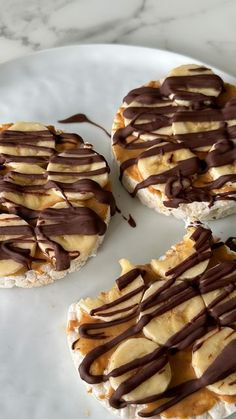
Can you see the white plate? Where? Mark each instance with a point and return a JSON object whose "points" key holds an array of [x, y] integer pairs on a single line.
{"points": [[37, 378]]}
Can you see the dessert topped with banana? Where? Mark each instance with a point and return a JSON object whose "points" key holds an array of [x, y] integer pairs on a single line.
{"points": [[55, 203], [174, 142], [162, 341]]}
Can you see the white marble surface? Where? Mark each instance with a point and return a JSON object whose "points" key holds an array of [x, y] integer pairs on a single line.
{"points": [[204, 29]]}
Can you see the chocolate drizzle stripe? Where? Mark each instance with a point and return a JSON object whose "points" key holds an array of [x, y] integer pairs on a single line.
{"points": [[124, 280], [96, 172], [118, 301]]}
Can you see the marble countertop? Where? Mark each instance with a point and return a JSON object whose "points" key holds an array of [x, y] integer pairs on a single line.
{"points": [[204, 29]]}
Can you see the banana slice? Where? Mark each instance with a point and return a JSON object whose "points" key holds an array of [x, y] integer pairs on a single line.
{"points": [[217, 171], [181, 126], [164, 326], [160, 163], [215, 302], [65, 220], [25, 174], [176, 83], [73, 165], [112, 297], [207, 350], [178, 254], [128, 351], [229, 112], [148, 125], [27, 126], [17, 244], [36, 199], [29, 144]]}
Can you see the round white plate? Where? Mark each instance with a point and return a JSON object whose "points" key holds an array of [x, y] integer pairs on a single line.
{"points": [[37, 377]]}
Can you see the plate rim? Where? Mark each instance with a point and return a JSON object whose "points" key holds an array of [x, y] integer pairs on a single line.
{"points": [[61, 48]]}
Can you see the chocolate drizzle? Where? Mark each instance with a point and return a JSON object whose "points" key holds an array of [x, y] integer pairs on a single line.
{"points": [[218, 313], [39, 150], [150, 109], [79, 118], [231, 243]]}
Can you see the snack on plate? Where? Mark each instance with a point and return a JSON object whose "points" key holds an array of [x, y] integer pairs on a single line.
{"points": [[162, 341], [55, 203], [175, 143]]}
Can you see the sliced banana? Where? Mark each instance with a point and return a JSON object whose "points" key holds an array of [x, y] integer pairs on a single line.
{"points": [[75, 244], [192, 127], [189, 70], [164, 326], [177, 255], [12, 244], [217, 171], [128, 351], [25, 174], [161, 163], [71, 161], [36, 199], [30, 147], [207, 350], [139, 116], [215, 302], [229, 112], [27, 126], [90, 304], [192, 70]]}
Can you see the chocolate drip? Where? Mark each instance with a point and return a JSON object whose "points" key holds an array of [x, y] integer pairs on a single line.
{"points": [[231, 243], [79, 118], [131, 221]]}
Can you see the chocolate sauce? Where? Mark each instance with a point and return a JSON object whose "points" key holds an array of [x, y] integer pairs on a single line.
{"points": [[79, 118], [43, 224], [155, 111], [231, 243], [130, 220], [170, 294]]}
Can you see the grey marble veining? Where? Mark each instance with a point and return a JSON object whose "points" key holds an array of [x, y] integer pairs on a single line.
{"points": [[204, 29]]}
